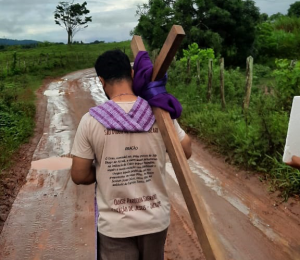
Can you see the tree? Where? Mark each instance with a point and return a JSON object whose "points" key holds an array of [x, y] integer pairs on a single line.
{"points": [[228, 26], [72, 17], [276, 16], [156, 20], [294, 9]]}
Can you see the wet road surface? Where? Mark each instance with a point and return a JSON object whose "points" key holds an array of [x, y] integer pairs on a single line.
{"points": [[52, 218]]}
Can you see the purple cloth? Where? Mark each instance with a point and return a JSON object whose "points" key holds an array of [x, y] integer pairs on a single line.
{"points": [[153, 92], [139, 119]]}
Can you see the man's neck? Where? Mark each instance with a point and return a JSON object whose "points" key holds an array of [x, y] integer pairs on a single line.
{"points": [[122, 92]]}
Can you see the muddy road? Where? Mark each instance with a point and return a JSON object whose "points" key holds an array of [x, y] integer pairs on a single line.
{"points": [[52, 218]]}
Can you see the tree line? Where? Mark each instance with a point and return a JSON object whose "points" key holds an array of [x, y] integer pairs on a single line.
{"points": [[234, 29]]}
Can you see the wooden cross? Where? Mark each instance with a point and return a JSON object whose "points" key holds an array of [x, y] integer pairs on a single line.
{"points": [[207, 236]]}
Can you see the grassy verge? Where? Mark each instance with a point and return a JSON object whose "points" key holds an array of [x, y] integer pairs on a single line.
{"points": [[254, 139], [18, 85]]}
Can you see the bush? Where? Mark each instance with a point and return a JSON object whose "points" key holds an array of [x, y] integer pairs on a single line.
{"points": [[254, 139]]}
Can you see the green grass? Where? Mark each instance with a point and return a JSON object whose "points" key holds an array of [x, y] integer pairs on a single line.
{"points": [[16, 60], [254, 140], [18, 86]]}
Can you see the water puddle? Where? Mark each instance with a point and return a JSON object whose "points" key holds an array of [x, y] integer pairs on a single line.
{"points": [[54, 89], [95, 87], [53, 93], [52, 163]]}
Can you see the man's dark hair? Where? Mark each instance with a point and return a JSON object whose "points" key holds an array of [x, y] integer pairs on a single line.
{"points": [[113, 65]]}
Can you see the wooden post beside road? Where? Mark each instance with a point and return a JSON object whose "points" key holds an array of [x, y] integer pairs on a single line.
{"points": [[210, 77], [206, 234], [222, 91], [249, 72]]}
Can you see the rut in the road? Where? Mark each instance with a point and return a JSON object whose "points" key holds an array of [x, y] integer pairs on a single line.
{"points": [[183, 239]]}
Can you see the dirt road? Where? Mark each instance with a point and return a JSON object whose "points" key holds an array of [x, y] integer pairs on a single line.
{"points": [[52, 218]]}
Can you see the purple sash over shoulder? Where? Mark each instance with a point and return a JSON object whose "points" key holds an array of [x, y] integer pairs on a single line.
{"points": [[139, 119], [154, 92]]}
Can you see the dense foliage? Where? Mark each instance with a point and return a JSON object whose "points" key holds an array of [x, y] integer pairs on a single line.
{"points": [[215, 24], [254, 138], [234, 29]]}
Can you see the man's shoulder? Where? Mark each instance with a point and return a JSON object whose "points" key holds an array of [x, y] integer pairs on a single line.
{"points": [[88, 119]]}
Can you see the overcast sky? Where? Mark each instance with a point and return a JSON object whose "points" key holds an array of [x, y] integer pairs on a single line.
{"points": [[112, 19]]}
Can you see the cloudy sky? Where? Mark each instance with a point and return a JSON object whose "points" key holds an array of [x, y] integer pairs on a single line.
{"points": [[112, 19]]}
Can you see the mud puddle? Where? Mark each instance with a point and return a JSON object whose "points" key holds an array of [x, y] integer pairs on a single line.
{"points": [[53, 164]]}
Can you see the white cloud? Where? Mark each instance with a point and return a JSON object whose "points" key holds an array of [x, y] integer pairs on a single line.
{"points": [[112, 20], [23, 19]]}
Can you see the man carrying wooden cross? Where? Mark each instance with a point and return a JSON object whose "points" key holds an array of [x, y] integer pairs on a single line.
{"points": [[130, 156]]}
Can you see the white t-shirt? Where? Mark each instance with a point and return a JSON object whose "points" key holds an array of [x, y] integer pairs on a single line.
{"points": [[130, 172]]}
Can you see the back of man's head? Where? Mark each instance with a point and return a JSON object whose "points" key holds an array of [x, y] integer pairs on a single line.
{"points": [[113, 66]]}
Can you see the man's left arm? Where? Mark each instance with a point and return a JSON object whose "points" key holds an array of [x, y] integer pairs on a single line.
{"points": [[83, 171]]}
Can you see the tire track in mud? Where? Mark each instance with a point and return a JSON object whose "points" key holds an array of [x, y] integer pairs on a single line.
{"points": [[182, 242]]}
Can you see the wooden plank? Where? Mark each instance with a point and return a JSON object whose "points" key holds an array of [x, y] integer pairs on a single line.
{"points": [[206, 235], [168, 52], [137, 45]]}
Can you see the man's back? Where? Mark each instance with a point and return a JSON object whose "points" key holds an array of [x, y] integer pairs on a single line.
{"points": [[131, 193]]}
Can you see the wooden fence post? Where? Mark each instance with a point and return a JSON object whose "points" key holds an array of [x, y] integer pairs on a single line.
{"points": [[210, 77], [188, 71], [249, 79], [198, 72], [222, 91]]}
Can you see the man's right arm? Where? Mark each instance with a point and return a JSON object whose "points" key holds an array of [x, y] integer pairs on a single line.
{"points": [[187, 146], [184, 140]]}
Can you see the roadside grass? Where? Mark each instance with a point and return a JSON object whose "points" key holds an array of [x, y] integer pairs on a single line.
{"points": [[253, 139], [18, 86]]}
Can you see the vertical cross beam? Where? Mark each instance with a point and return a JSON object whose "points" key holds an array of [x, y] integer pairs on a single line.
{"points": [[206, 235]]}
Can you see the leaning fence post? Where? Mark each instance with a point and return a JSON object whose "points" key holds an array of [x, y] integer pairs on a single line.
{"points": [[222, 91], [198, 71], [210, 77], [249, 80]]}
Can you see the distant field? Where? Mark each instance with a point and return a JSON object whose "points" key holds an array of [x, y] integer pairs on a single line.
{"points": [[16, 60]]}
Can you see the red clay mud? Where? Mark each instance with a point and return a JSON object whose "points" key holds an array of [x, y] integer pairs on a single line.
{"points": [[11, 180], [52, 218]]}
